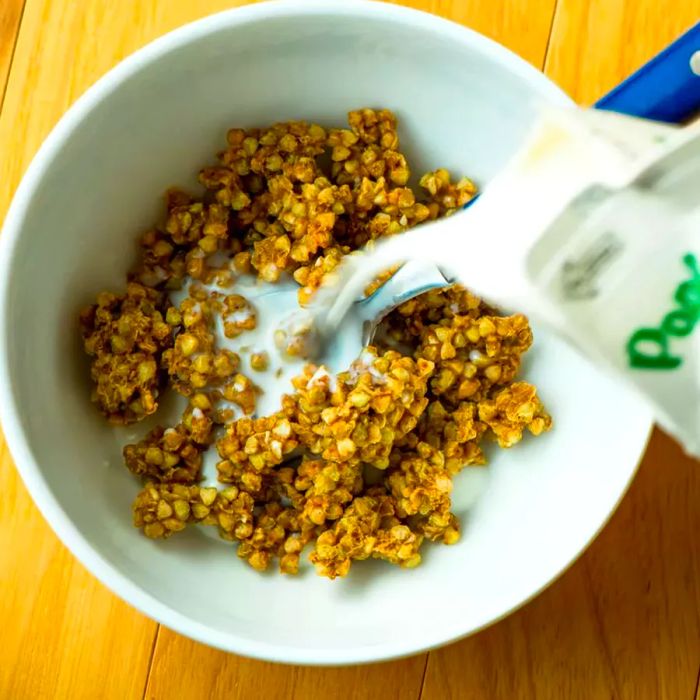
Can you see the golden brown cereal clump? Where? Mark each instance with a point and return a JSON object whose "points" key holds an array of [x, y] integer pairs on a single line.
{"points": [[162, 509], [126, 335], [409, 321], [473, 354], [238, 315], [368, 150], [310, 277], [326, 488], [455, 433], [421, 484], [241, 391], [367, 528], [513, 409], [387, 210], [205, 225], [366, 410], [227, 186], [251, 448], [360, 463], [194, 362], [277, 532], [174, 454], [166, 455], [161, 263], [192, 230], [446, 197], [309, 214], [287, 148], [304, 219]]}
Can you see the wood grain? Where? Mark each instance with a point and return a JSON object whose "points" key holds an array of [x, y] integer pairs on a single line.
{"points": [[597, 43], [622, 623], [213, 675], [10, 15], [522, 25], [644, 575], [64, 635]]}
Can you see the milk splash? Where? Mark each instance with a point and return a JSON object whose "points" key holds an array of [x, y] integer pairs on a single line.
{"points": [[593, 229]]}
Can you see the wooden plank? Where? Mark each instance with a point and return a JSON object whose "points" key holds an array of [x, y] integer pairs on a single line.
{"points": [[187, 670], [63, 634], [521, 25], [597, 43], [645, 578], [10, 16], [621, 623], [550, 649]]}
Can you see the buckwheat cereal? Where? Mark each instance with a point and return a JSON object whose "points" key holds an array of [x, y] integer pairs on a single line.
{"points": [[350, 465], [364, 411], [126, 335]]}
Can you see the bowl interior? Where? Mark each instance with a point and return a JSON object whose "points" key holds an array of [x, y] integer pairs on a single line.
{"points": [[463, 104]]}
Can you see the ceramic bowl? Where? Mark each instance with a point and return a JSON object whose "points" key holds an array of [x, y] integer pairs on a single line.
{"points": [[464, 103]]}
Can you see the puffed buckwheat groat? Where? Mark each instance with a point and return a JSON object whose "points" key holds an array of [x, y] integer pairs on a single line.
{"points": [[126, 335], [357, 464]]}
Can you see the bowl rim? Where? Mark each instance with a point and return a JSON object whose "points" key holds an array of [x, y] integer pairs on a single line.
{"points": [[17, 441]]}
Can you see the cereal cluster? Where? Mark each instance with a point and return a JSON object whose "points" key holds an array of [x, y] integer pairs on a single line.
{"points": [[173, 455], [125, 335], [361, 413], [353, 466]]}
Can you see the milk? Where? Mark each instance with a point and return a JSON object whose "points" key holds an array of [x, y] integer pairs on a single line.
{"points": [[593, 229], [270, 303]]}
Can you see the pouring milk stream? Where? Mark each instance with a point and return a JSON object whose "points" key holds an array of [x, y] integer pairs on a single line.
{"points": [[594, 229]]}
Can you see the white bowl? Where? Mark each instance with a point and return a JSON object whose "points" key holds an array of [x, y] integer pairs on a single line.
{"points": [[464, 103]]}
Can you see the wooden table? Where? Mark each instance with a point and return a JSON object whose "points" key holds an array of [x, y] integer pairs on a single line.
{"points": [[623, 622]]}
